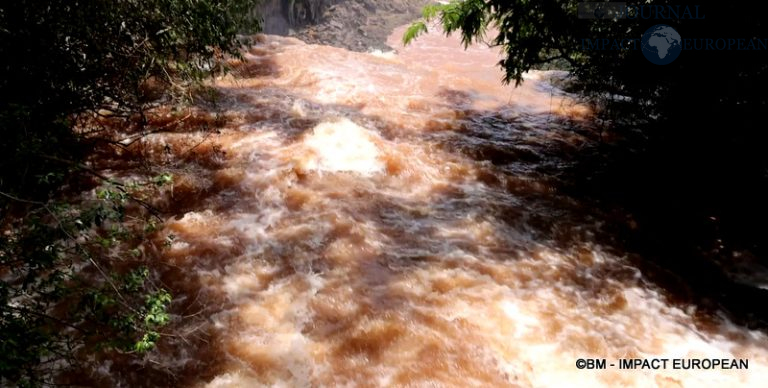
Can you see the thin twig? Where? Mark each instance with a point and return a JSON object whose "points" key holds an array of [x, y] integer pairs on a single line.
{"points": [[45, 316], [146, 133], [20, 199]]}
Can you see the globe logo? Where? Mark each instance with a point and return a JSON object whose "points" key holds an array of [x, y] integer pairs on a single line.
{"points": [[661, 44], [599, 13]]}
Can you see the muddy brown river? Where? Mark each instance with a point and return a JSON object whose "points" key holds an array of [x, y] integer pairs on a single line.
{"points": [[386, 219]]}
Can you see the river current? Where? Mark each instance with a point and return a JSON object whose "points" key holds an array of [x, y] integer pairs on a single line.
{"points": [[392, 219]]}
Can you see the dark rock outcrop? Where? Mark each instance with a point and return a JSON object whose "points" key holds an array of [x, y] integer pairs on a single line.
{"points": [[359, 25]]}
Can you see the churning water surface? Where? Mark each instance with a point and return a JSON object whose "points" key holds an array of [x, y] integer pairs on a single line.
{"points": [[387, 220]]}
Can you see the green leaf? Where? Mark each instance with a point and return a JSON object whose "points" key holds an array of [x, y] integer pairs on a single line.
{"points": [[413, 31], [163, 179], [147, 342]]}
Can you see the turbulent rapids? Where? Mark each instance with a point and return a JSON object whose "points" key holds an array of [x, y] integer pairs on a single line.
{"points": [[392, 219]]}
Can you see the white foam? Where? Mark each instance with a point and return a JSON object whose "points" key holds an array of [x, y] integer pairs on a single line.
{"points": [[391, 54], [342, 145]]}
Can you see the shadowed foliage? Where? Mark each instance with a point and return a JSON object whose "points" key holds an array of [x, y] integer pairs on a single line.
{"points": [[690, 163], [73, 277]]}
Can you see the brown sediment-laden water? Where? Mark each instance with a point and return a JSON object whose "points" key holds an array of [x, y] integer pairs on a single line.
{"points": [[391, 219]]}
